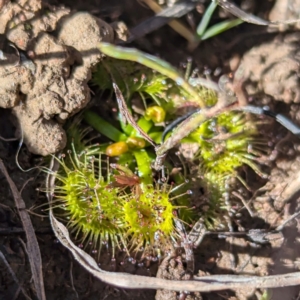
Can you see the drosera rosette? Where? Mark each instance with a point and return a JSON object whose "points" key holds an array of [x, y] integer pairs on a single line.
{"points": [[107, 204], [128, 144], [94, 213], [81, 195], [226, 143], [150, 210]]}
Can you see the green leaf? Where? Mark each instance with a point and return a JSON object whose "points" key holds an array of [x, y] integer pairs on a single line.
{"points": [[220, 27], [205, 19], [103, 126], [144, 166]]}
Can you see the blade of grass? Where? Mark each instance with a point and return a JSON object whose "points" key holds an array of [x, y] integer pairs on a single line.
{"points": [[249, 18], [103, 126], [220, 27], [144, 166], [151, 62], [175, 24], [236, 11], [205, 19]]}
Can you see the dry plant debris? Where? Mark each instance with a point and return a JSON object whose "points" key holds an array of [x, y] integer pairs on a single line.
{"points": [[33, 249]]}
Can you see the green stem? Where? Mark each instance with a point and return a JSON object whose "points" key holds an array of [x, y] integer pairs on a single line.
{"points": [[206, 18], [143, 162], [127, 128], [220, 27], [144, 124], [151, 62], [103, 126]]}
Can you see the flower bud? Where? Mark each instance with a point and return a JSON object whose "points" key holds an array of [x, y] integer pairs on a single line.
{"points": [[116, 149], [155, 113], [136, 143]]}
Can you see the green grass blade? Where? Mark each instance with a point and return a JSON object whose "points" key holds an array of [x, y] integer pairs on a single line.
{"points": [[103, 126], [220, 27], [144, 124], [205, 19], [153, 63], [144, 166]]}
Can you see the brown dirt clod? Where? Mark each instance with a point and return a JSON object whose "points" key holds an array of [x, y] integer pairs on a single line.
{"points": [[273, 68], [48, 83]]}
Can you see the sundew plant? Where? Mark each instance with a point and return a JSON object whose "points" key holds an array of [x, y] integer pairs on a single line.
{"points": [[107, 205], [111, 194], [225, 141]]}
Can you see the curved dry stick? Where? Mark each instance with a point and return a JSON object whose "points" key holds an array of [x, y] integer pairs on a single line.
{"points": [[34, 255], [129, 281], [127, 117], [187, 126], [13, 275], [201, 284]]}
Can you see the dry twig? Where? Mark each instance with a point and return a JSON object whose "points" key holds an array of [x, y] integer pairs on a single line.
{"points": [[199, 284], [34, 255], [13, 275]]}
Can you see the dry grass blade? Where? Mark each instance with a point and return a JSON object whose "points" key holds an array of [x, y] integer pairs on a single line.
{"points": [[187, 126], [249, 18], [164, 16], [13, 275], [127, 117], [201, 284], [34, 255]]}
